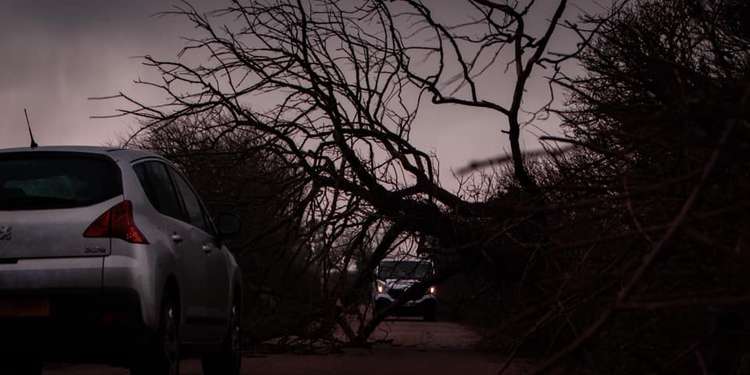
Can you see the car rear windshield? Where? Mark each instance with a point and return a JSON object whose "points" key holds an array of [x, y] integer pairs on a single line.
{"points": [[45, 181]]}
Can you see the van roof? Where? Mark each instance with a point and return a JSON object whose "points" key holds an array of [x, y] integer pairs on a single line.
{"points": [[407, 259]]}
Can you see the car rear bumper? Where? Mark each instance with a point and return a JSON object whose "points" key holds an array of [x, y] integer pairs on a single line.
{"points": [[43, 273], [86, 276], [73, 324]]}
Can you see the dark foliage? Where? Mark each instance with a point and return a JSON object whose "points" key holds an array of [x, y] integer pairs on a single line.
{"points": [[647, 262]]}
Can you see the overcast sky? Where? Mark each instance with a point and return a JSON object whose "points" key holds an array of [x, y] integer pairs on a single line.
{"points": [[58, 53]]}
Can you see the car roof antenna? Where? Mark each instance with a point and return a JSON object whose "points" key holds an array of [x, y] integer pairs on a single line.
{"points": [[31, 134]]}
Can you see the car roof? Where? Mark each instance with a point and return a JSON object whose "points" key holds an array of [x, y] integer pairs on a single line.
{"points": [[119, 154]]}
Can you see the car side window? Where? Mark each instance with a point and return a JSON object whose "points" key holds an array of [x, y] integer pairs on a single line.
{"points": [[159, 188], [195, 212]]}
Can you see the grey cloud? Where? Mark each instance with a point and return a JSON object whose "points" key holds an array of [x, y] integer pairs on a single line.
{"points": [[54, 54]]}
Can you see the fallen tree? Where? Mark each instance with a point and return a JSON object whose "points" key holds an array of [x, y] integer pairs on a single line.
{"points": [[567, 242]]}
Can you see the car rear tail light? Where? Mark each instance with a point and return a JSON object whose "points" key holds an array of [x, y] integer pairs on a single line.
{"points": [[117, 222]]}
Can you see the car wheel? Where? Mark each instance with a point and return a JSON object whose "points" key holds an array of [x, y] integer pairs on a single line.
{"points": [[22, 367], [163, 356], [430, 314], [228, 360], [380, 307]]}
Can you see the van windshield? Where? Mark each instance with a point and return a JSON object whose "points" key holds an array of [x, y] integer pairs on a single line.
{"points": [[404, 270], [56, 180]]}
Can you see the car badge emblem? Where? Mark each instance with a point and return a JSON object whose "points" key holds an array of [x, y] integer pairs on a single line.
{"points": [[6, 233]]}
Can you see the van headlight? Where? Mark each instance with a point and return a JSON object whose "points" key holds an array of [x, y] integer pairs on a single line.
{"points": [[433, 290]]}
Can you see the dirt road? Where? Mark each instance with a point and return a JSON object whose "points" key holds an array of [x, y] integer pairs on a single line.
{"points": [[417, 348]]}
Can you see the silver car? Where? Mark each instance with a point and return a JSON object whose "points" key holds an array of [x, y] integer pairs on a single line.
{"points": [[109, 255], [395, 277]]}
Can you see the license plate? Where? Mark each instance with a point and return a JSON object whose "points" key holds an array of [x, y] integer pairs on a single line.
{"points": [[24, 308]]}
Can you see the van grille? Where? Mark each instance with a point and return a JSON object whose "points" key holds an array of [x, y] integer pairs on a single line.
{"points": [[396, 293]]}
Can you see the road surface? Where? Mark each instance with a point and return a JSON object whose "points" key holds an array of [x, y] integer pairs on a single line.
{"points": [[418, 348]]}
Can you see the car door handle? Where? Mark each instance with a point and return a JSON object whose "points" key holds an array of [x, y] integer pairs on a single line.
{"points": [[207, 248], [176, 238]]}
